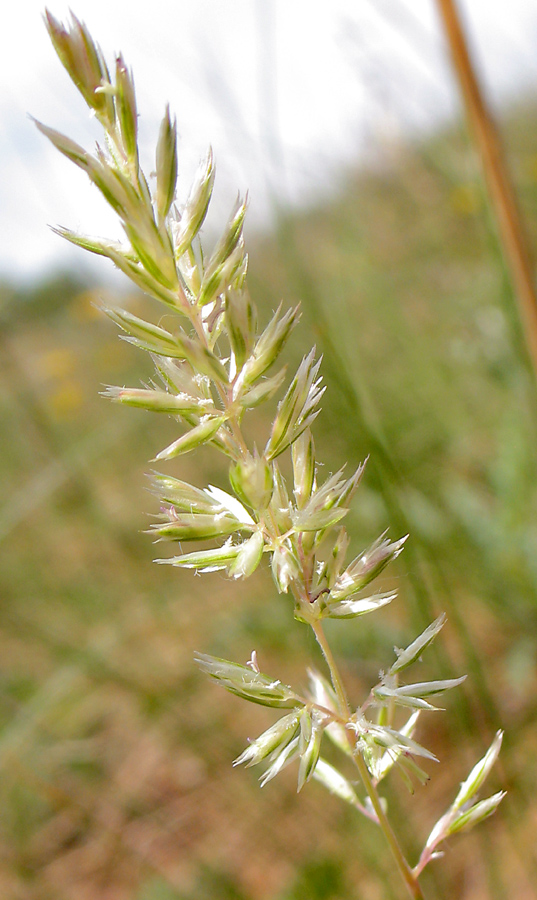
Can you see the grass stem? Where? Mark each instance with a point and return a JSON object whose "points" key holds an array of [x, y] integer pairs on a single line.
{"points": [[402, 865], [502, 194]]}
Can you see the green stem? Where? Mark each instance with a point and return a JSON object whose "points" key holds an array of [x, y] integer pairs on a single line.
{"points": [[405, 871], [337, 683], [407, 875]]}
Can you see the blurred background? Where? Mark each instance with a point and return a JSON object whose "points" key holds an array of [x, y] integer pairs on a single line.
{"points": [[368, 205]]}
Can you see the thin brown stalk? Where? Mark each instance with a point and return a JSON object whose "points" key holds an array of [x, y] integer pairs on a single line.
{"points": [[511, 229]]}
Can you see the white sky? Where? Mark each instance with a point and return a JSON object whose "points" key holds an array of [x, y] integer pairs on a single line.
{"points": [[288, 92]]}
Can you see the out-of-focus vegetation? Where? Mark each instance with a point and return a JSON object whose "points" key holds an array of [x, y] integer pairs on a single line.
{"points": [[115, 755]]}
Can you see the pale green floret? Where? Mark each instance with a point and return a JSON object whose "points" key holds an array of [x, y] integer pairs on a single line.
{"points": [[285, 568], [268, 348], [374, 736], [227, 259], [251, 479], [337, 558], [384, 696], [84, 61], [274, 738], [144, 334], [157, 401], [411, 695], [381, 765], [476, 814], [65, 145], [303, 458], [366, 567], [199, 515], [126, 111], [188, 223], [206, 560], [199, 435], [464, 813], [322, 506], [312, 725], [166, 166], [132, 267], [200, 527], [283, 758], [296, 411], [230, 504], [247, 683], [179, 377], [471, 785], [248, 557], [280, 504], [414, 650], [350, 609], [100, 246], [311, 519], [263, 391], [184, 496], [241, 322]]}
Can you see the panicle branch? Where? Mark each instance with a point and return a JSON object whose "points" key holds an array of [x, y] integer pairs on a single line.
{"points": [[212, 363]]}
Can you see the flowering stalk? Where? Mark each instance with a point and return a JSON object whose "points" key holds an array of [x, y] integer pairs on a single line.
{"points": [[213, 368]]}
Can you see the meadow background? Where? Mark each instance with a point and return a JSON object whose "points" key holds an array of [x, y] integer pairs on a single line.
{"points": [[115, 754]]}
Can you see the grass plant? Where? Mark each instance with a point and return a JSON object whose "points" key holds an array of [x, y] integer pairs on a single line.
{"points": [[214, 374]]}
